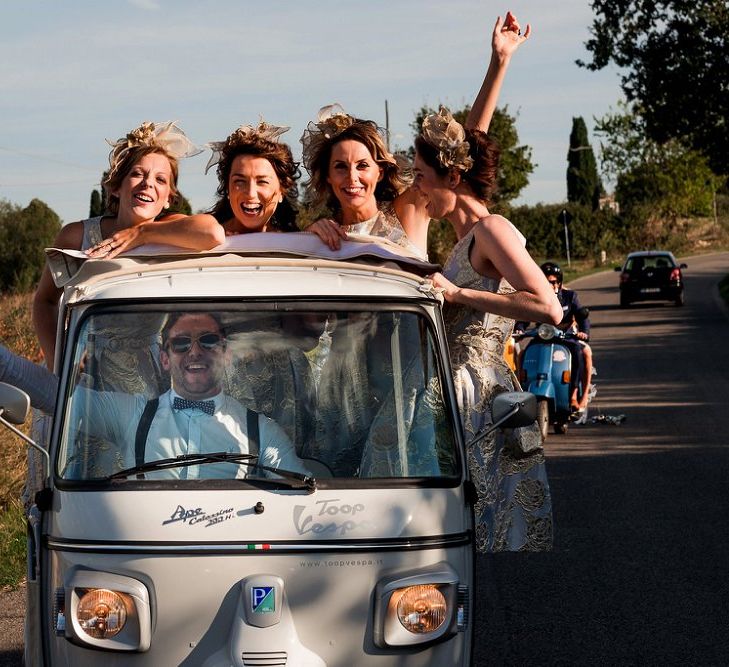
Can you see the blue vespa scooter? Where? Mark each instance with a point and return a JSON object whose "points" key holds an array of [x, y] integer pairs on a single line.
{"points": [[546, 372]]}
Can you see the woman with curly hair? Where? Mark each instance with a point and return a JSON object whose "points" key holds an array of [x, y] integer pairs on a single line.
{"points": [[256, 181], [488, 281], [353, 173]]}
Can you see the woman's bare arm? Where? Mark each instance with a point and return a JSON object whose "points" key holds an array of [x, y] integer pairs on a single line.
{"points": [[200, 231], [505, 40], [498, 252]]}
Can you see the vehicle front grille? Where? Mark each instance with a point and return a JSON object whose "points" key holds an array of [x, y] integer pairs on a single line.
{"points": [[265, 659]]}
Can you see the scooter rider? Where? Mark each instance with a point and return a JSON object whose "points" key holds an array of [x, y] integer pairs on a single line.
{"points": [[574, 319]]}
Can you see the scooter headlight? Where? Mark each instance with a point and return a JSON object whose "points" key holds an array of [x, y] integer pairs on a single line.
{"points": [[420, 609], [102, 613], [546, 331]]}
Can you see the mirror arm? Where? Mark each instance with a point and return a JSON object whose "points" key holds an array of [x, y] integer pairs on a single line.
{"points": [[495, 425], [33, 444]]}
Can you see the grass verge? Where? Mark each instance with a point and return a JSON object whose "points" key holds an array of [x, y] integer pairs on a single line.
{"points": [[12, 544], [16, 332]]}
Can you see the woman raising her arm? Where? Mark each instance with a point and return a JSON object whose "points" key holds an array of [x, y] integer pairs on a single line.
{"points": [[488, 281]]}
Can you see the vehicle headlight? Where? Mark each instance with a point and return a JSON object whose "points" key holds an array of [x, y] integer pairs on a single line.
{"points": [[104, 610], [546, 331], [420, 608], [425, 605], [102, 613]]}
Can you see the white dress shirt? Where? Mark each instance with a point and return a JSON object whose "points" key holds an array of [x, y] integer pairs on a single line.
{"points": [[115, 416]]}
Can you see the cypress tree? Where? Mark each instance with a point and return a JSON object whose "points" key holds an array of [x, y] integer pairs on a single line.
{"points": [[583, 183], [95, 206]]}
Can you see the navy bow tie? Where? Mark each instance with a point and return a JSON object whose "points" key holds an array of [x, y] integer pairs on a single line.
{"points": [[183, 404]]}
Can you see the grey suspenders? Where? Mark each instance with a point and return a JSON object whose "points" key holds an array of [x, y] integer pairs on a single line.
{"points": [[150, 410]]}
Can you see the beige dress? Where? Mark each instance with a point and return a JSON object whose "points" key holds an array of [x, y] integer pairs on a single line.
{"points": [[514, 509]]}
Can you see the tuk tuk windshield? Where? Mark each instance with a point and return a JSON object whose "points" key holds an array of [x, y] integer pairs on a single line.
{"points": [[325, 393]]}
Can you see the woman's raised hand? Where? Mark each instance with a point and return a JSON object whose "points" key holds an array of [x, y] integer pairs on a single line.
{"points": [[507, 36], [329, 232]]}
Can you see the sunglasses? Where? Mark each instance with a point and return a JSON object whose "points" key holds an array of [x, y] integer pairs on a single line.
{"points": [[207, 341], [553, 282]]}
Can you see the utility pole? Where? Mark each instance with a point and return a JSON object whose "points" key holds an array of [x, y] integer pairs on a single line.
{"points": [[387, 125], [565, 217]]}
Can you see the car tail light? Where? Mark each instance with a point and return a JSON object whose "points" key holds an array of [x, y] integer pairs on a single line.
{"points": [[624, 277], [675, 275]]}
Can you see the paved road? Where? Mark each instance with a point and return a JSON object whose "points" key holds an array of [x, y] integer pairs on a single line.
{"points": [[639, 573], [639, 570]]}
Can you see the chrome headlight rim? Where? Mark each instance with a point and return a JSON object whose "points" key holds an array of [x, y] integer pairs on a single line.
{"points": [[136, 633], [390, 632]]}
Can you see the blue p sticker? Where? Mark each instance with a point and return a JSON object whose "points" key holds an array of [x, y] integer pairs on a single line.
{"points": [[263, 599]]}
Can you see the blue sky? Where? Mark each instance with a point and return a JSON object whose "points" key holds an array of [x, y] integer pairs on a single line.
{"points": [[77, 73]]}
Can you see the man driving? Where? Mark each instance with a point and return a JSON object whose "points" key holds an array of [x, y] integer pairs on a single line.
{"points": [[194, 416]]}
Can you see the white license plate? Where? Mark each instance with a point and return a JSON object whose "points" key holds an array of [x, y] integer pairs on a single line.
{"points": [[650, 290]]}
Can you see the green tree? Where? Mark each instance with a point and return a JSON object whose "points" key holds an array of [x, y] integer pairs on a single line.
{"points": [[583, 183], [95, 205], [180, 205], [590, 232], [24, 234], [673, 59], [668, 179]]}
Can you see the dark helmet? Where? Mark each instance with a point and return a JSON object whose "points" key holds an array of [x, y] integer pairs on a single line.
{"points": [[552, 269]]}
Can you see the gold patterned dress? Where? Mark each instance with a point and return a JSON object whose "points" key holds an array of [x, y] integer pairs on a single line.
{"points": [[514, 508], [386, 224]]}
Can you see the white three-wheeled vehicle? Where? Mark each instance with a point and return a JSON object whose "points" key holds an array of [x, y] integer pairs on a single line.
{"points": [[356, 548]]}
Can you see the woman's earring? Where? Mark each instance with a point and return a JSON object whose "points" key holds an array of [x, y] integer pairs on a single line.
{"points": [[167, 204]]}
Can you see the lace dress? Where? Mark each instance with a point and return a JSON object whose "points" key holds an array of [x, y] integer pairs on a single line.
{"points": [[386, 224], [514, 509]]}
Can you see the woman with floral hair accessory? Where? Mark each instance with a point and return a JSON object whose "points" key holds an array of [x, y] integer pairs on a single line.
{"points": [[141, 184], [354, 174], [488, 281], [256, 178]]}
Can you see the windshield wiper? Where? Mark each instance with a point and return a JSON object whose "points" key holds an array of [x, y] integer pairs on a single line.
{"points": [[185, 460]]}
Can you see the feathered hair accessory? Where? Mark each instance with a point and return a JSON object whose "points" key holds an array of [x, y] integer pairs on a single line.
{"points": [[166, 136], [447, 136], [244, 134], [330, 123]]}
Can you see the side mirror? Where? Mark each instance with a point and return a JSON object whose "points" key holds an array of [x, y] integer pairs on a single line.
{"points": [[14, 404], [511, 409], [514, 409], [683, 265], [617, 268], [14, 409]]}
